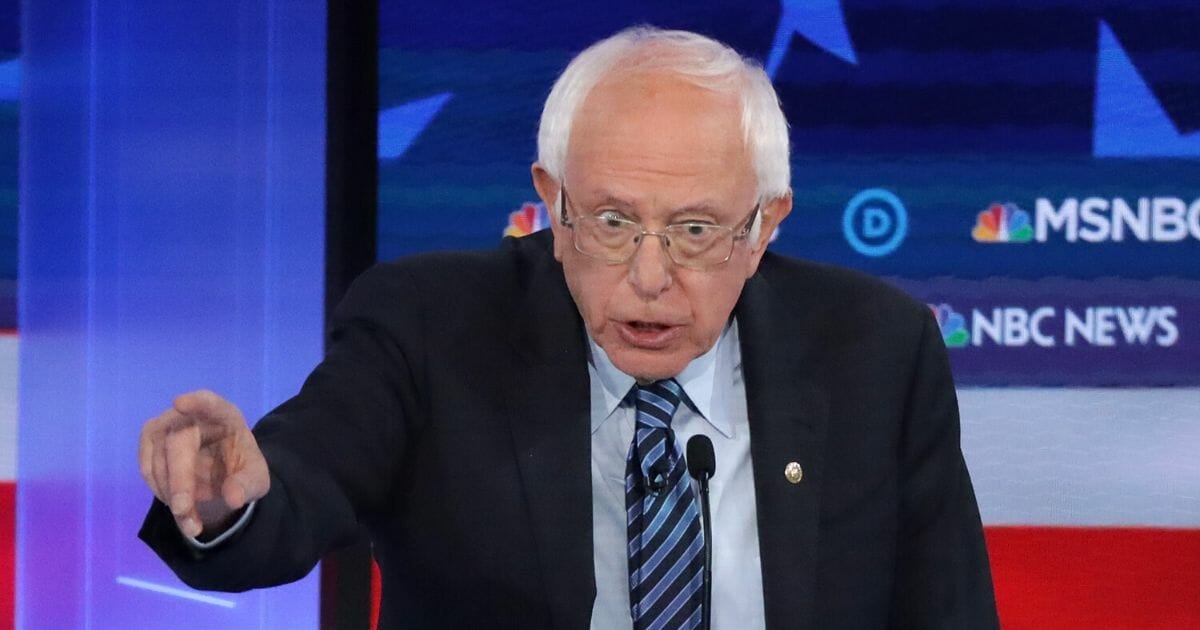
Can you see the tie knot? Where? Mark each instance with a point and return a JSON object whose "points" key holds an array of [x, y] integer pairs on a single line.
{"points": [[657, 402]]}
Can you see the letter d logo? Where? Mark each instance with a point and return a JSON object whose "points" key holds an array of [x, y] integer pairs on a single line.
{"points": [[875, 222]]}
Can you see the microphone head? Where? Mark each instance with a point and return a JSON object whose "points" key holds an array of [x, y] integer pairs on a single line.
{"points": [[701, 461]]}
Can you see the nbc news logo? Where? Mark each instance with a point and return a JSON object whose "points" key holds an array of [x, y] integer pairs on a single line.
{"points": [[1048, 326]]}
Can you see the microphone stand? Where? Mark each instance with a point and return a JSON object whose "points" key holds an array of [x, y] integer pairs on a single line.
{"points": [[702, 463], [706, 618]]}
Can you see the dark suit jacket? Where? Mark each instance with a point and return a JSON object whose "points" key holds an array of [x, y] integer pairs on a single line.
{"points": [[450, 417]]}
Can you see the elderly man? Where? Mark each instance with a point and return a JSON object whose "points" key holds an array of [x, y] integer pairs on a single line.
{"points": [[509, 425]]}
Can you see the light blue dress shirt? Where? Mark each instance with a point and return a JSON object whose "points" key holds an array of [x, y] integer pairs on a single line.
{"points": [[715, 405]]}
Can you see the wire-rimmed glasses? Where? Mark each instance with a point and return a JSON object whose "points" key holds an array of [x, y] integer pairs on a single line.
{"points": [[607, 235]]}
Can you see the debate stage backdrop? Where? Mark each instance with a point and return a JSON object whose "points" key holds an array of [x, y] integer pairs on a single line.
{"points": [[10, 49], [171, 237], [1029, 168]]}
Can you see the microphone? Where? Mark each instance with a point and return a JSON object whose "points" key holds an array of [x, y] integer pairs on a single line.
{"points": [[701, 461], [702, 464], [657, 482]]}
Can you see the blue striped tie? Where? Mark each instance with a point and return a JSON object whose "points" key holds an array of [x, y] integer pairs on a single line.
{"points": [[666, 563]]}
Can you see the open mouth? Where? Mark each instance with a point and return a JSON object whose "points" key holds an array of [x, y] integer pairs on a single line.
{"points": [[648, 335], [647, 326]]}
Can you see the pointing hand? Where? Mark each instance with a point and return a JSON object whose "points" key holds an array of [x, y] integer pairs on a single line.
{"points": [[200, 459]]}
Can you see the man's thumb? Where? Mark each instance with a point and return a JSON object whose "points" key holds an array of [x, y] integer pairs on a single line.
{"points": [[243, 487]]}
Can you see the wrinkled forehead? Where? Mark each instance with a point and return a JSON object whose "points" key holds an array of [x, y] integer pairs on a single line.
{"points": [[633, 88], [660, 120]]}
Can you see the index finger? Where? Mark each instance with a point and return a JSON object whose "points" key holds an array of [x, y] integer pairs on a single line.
{"points": [[182, 448], [203, 402], [150, 447]]}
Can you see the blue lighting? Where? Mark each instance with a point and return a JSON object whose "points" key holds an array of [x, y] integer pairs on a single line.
{"points": [[172, 230]]}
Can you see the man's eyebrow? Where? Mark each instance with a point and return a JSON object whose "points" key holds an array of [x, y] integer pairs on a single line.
{"points": [[702, 207], [615, 202]]}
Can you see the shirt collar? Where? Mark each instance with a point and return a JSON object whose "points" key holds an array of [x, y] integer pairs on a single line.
{"points": [[706, 380]]}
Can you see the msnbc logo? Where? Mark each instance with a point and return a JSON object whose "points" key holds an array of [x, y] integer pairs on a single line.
{"points": [[1003, 223], [529, 219], [1092, 220], [953, 325]]}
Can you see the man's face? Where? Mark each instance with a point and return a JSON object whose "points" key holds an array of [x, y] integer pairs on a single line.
{"points": [[659, 151]]}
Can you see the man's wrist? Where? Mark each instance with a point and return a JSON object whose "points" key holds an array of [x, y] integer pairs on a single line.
{"points": [[206, 543]]}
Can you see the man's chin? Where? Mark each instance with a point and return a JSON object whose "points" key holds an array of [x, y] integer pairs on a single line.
{"points": [[647, 366]]}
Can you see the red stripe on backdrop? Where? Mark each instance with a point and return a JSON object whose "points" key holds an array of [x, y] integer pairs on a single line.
{"points": [[1058, 578], [376, 594], [1067, 578], [8, 553]]}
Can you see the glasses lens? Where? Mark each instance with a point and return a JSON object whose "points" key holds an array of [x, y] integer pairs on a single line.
{"points": [[699, 245], [692, 245], [607, 238]]}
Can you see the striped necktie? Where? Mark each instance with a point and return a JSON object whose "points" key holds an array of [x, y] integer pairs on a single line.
{"points": [[666, 543]]}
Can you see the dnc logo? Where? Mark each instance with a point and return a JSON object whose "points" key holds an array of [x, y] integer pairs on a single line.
{"points": [[953, 325], [875, 222], [1003, 223], [529, 219]]}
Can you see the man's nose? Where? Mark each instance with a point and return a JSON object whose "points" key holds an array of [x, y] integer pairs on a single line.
{"points": [[650, 267]]}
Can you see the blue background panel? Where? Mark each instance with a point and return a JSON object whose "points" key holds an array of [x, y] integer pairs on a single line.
{"points": [[172, 229], [10, 80], [1077, 120], [952, 107]]}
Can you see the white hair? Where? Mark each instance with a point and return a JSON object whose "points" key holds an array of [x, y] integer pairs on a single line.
{"points": [[694, 58]]}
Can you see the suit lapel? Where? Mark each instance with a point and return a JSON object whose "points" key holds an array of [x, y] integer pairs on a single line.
{"points": [[548, 412], [788, 412]]}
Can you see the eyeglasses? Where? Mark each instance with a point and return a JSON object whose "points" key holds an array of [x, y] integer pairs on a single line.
{"points": [[608, 236]]}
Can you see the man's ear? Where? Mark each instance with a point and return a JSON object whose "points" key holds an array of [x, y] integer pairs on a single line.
{"points": [[549, 190], [773, 213]]}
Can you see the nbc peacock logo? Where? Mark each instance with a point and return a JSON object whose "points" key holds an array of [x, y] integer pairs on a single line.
{"points": [[953, 325], [529, 219], [1003, 223]]}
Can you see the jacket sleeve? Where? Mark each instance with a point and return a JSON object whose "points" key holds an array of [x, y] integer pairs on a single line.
{"points": [[334, 450], [943, 579]]}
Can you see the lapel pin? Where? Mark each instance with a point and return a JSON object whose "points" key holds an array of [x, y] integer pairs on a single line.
{"points": [[793, 472]]}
